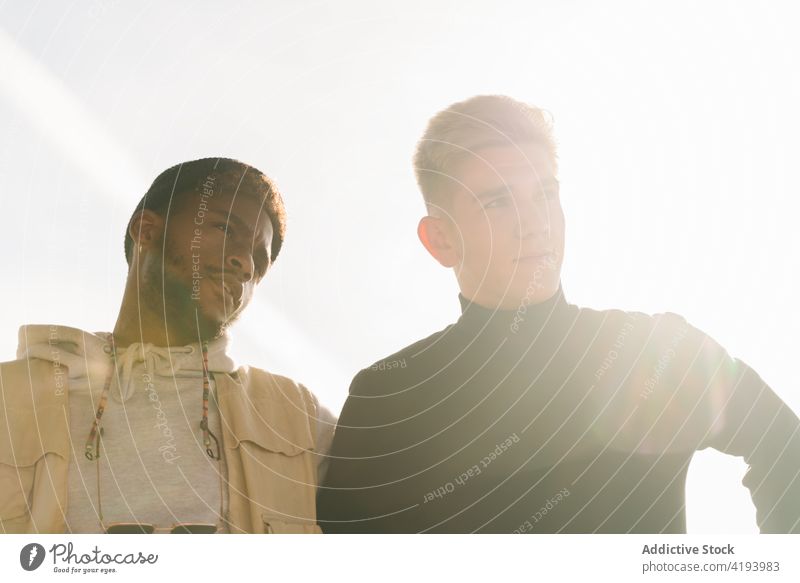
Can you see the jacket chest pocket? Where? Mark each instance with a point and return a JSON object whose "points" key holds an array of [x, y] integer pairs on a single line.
{"points": [[22, 450], [278, 471], [15, 485]]}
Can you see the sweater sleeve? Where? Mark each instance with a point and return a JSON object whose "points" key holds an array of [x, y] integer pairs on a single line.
{"points": [[748, 419], [326, 423]]}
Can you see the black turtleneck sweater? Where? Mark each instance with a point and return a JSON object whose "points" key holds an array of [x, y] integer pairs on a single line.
{"points": [[553, 418]]}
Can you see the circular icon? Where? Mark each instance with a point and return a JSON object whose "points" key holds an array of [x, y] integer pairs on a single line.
{"points": [[31, 556]]}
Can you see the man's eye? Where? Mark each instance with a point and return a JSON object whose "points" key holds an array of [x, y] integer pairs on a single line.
{"points": [[498, 202], [227, 229], [548, 193], [261, 265]]}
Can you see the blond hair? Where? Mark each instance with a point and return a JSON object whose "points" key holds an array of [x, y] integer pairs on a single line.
{"points": [[466, 126]]}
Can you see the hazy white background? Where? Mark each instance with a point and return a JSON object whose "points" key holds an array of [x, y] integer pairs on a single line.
{"points": [[679, 131]]}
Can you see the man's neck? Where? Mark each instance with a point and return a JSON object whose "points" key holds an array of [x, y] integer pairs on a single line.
{"points": [[144, 322]]}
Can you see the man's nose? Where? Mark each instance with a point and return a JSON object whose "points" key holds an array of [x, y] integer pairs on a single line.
{"points": [[535, 217], [240, 261]]}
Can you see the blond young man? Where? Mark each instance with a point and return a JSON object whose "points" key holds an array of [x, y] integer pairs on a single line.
{"points": [[531, 414]]}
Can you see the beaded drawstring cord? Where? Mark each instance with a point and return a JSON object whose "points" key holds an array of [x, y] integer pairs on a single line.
{"points": [[207, 434], [92, 448]]}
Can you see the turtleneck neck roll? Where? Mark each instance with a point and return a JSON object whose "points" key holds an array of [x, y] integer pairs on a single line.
{"points": [[527, 316]]}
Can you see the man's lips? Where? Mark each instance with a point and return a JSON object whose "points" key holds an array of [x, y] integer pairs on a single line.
{"points": [[226, 287]]}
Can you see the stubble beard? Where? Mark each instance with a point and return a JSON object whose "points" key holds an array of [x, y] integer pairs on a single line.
{"points": [[172, 298]]}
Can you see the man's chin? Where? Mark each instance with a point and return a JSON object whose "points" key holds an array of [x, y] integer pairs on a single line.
{"points": [[214, 324]]}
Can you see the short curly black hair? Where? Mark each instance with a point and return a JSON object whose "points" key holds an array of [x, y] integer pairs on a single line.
{"points": [[173, 184]]}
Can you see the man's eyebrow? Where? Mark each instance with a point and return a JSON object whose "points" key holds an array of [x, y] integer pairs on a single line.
{"points": [[503, 189], [493, 192]]}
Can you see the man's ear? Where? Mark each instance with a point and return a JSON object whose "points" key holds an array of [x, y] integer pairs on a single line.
{"points": [[146, 228], [436, 236]]}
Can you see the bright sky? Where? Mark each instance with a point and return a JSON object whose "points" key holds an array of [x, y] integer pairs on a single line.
{"points": [[679, 137]]}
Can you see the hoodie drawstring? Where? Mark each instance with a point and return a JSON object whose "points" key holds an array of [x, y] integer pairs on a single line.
{"points": [[207, 434], [92, 449], [151, 359]]}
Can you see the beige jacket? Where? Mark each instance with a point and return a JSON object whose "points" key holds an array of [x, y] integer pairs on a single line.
{"points": [[269, 437]]}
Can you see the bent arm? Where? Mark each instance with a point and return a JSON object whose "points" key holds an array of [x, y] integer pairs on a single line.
{"points": [[753, 422]]}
